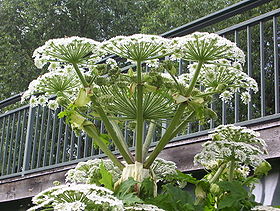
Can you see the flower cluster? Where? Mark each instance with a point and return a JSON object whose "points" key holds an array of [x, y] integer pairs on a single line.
{"points": [[88, 172], [54, 83], [232, 143], [163, 168], [70, 49], [226, 79], [206, 47], [77, 197], [138, 47]]}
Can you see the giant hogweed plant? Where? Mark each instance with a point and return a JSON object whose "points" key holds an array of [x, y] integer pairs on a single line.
{"points": [[90, 90]]}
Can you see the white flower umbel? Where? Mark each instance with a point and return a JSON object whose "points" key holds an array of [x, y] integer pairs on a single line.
{"points": [[70, 49], [223, 77], [143, 207], [88, 172], [72, 206], [54, 83], [77, 197], [232, 143], [206, 47], [163, 168], [138, 47]]}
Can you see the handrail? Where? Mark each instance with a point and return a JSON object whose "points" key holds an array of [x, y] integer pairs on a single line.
{"points": [[215, 17], [11, 100]]}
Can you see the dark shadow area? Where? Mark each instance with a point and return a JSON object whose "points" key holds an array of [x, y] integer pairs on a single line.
{"points": [[16, 205]]}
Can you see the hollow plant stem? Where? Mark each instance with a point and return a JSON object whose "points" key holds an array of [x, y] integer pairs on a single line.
{"points": [[93, 133], [194, 79], [231, 170], [119, 143], [139, 115], [218, 173], [148, 139], [80, 75], [167, 135]]}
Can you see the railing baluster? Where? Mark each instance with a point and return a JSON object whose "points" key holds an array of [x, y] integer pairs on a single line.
{"points": [[86, 144], [79, 147], [65, 144], [2, 139], [249, 65], [51, 156], [59, 138], [6, 145], [16, 142], [28, 140], [276, 64], [236, 95], [72, 145], [11, 141], [22, 141], [47, 138], [35, 150], [42, 133], [262, 63]]}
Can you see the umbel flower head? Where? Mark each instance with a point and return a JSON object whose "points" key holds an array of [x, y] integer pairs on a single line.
{"points": [[206, 47], [77, 197], [138, 47], [232, 143], [226, 78], [70, 49]]}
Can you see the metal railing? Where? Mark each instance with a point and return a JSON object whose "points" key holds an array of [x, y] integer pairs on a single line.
{"points": [[34, 139]]}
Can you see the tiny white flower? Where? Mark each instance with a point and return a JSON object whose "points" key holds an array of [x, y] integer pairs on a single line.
{"points": [[52, 104]]}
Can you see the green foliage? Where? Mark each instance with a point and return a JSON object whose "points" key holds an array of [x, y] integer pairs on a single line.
{"points": [[173, 198], [106, 177], [262, 169], [181, 179], [235, 197], [147, 188], [126, 192]]}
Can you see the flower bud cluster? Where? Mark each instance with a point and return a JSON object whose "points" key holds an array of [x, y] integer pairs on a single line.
{"points": [[88, 172], [232, 143], [223, 77]]}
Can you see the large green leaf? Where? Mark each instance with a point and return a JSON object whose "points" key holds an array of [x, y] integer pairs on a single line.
{"points": [[173, 198], [125, 192], [106, 177]]}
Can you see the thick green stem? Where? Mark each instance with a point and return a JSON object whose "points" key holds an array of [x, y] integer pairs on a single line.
{"points": [[194, 79], [139, 115], [231, 170], [148, 139], [120, 135], [183, 124], [218, 173], [167, 135], [80, 75], [92, 132], [119, 143]]}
